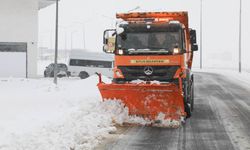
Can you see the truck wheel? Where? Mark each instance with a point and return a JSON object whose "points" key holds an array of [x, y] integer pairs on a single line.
{"points": [[192, 94], [187, 86], [83, 75], [188, 110], [189, 104]]}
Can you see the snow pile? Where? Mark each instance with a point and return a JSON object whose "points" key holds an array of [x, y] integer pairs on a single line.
{"points": [[137, 120], [117, 110], [82, 129], [119, 114], [36, 114], [138, 81], [155, 82], [167, 122]]}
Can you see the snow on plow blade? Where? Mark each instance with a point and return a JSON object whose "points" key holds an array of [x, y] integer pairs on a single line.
{"points": [[147, 100]]}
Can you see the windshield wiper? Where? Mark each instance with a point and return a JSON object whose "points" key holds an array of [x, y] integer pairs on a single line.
{"points": [[154, 47], [149, 51]]}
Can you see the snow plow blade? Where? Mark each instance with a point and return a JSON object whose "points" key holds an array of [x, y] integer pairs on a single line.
{"points": [[147, 100]]}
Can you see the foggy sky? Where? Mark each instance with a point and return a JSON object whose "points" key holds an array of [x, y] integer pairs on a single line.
{"points": [[220, 25]]}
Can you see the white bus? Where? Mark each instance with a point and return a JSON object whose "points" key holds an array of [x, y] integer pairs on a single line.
{"points": [[84, 64]]}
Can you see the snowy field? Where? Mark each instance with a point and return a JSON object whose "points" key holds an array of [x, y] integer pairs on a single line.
{"points": [[37, 115]]}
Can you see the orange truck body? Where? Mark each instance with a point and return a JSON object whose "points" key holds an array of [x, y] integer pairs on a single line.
{"points": [[149, 99]]}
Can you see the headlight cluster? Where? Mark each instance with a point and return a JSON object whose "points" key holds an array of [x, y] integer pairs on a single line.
{"points": [[120, 52], [176, 51]]}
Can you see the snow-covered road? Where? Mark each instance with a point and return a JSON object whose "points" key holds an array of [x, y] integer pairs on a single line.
{"points": [[220, 121]]}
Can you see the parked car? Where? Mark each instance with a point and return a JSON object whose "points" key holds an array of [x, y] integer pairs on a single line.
{"points": [[62, 70]]}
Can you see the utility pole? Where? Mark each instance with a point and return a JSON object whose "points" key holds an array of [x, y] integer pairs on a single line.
{"points": [[72, 33], [200, 34], [65, 40], [56, 45], [83, 35], [65, 45], [83, 32], [51, 39], [240, 37]]}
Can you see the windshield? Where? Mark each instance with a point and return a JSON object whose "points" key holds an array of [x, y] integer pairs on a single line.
{"points": [[59, 65], [62, 66], [149, 41]]}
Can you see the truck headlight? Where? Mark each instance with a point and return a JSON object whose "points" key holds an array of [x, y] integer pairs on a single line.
{"points": [[120, 52], [176, 51]]}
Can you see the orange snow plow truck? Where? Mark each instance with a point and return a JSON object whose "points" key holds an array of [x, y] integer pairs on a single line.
{"points": [[152, 68]]}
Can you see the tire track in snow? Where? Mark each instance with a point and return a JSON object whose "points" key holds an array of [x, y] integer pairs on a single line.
{"points": [[235, 112]]}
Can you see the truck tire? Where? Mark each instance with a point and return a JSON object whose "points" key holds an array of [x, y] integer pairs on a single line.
{"points": [[83, 75], [188, 110], [187, 89], [192, 93], [187, 103]]}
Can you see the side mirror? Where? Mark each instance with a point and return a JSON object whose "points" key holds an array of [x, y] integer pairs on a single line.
{"points": [[192, 36], [109, 37], [194, 47], [119, 30]]}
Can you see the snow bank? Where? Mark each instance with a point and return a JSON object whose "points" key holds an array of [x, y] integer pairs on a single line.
{"points": [[121, 116], [36, 114], [138, 81], [81, 129], [242, 78]]}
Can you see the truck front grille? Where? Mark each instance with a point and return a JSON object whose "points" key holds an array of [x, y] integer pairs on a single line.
{"points": [[160, 73]]}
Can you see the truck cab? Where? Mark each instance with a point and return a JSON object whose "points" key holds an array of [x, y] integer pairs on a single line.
{"points": [[150, 50]]}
